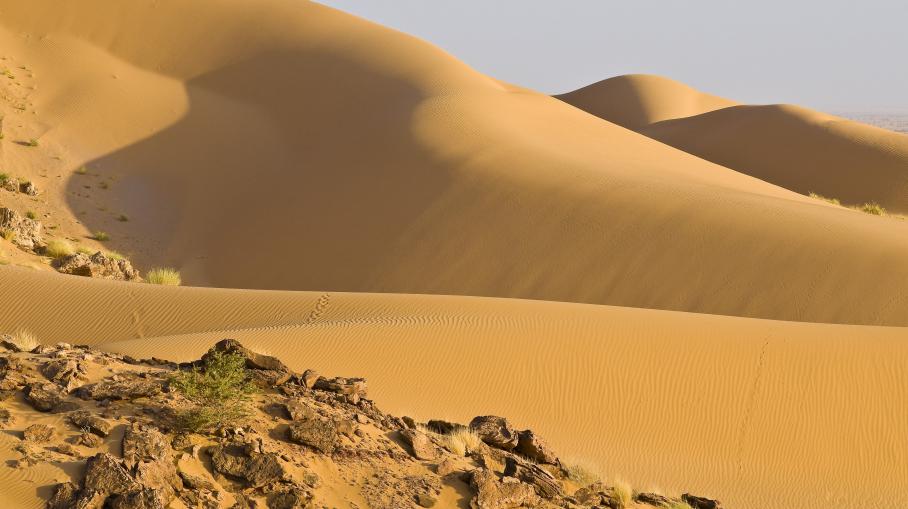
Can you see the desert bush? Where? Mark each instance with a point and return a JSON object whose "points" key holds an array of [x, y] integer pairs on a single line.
{"points": [[86, 250], [57, 248], [32, 142], [219, 392], [3, 178], [122, 218], [461, 441], [24, 340], [114, 255], [82, 170], [164, 276], [580, 472], [101, 236], [834, 201], [623, 492], [31, 214], [872, 208]]}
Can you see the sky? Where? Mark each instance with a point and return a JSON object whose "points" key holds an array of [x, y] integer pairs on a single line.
{"points": [[833, 55]]}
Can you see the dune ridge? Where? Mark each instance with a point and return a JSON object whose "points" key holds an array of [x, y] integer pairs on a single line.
{"points": [[790, 146]]}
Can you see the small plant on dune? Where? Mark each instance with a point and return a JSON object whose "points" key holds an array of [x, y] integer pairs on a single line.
{"points": [[580, 472], [82, 170], [24, 340], [31, 214], [834, 201], [623, 492], [114, 255], [57, 248], [872, 208], [8, 235], [219, 392], [32, 143], [164, 276], [4, 177], [86, 250], [461, 441], [100, 236], [122, 218]]}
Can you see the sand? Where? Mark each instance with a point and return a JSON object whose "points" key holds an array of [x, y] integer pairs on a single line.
{"points": [[283, 145], [790, 146]]}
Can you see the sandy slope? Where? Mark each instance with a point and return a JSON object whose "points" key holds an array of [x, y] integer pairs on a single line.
{"points": [[295, 147], [793, 147], [759, 413]]}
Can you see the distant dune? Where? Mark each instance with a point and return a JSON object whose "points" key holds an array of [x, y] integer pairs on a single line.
{"points": [[282, 145], [793, 147]]}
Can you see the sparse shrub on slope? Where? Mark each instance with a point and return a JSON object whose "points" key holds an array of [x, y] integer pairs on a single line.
{"points": [[872, 208], [219, 392], [57, 248], [164, 276]]}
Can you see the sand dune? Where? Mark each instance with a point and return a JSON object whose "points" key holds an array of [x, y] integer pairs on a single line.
{"points": [[759, 413], [793, 147]]}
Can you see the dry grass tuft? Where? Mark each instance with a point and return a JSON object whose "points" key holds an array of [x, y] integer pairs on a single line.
{"points": [[833, 201], [101, 236], [624, 492], [57, 248], [872, 208], [461, 441], [581, 472], [164, 276], [24, 340]]}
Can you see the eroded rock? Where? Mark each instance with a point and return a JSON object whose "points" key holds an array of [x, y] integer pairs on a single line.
{"points": [[534, 447], [317, 433], [38, 433], [507, 493], [253, 360], [23, 232], [106, 474], [97, 265], [44, 396], [421, 446], [700, 502], [120, 387], [495, 431], [93, 423]]}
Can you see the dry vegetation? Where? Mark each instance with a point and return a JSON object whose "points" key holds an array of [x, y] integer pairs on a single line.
{"points": [[164, 276]]}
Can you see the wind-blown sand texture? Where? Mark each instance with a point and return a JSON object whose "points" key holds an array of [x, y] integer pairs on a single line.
{"points": [[280, 144]]}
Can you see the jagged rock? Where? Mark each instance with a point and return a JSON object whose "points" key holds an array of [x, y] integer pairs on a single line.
{"points": [[495, 431], [26, 233], [309, 377], [120, 388], [295, 498], [256, 468], [229, 459], [547, 486], [28, 188], [147, 498], [534, 447], [44, 396], [253, 360], [351, 389], [297, 410], [147, 454], [84, 419], [196, 482], [597, 494], [318, 433], [421, 446], [64, 496], [87, 440], [490, 493], [11, 184], [38, 433], [264, 468], [700, 502], [63, 372], [448, 466], [106, 474], [653, 499], [97, 265], [443, 427]]}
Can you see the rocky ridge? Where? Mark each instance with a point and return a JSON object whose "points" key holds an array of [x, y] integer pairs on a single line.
{"points": [[310, 441]]}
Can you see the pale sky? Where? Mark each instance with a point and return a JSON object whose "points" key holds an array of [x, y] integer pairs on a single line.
{"points": [[832, 55]]}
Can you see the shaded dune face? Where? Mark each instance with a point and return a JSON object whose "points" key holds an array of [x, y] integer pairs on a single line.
{"points": [[340, 155], [793, 147]]}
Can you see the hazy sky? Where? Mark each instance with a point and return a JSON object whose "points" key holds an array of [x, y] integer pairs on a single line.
{"points": [[834, 55]]}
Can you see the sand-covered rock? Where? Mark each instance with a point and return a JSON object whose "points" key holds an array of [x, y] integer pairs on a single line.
{"points": [[97, 265]]}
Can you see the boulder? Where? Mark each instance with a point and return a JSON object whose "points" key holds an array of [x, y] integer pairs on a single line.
{"points": [[106, 474], [10, 184], [146, 498], [235, 459], [421, 446], [263, 469], [317, 433], [597, 494], [547, 486], [97, 265], [64, 496], [294, 498], [653, 499], [534, 447], [63, 372], [700, 502], [38, 433], [297, 410], [44, 396], [309, 377], [86, 420], [26, 233], [351, 389], [253, 360], [492, 493], [147, 454], [120, 387], [28, 188], [495, 431]]}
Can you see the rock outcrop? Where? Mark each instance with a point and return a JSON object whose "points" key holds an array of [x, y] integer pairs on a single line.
{"points": [[495, 431], [97, 265], [20, 230]]}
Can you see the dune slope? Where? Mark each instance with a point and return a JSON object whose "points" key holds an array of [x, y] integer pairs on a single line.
{"points": [[758, 413], [296, 147], [793, 147]]}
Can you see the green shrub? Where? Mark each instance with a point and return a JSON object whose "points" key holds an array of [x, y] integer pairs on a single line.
{"points": [[101, 236], [164, 276], [3, 178], [872, 208], [114, 255], [31, 214], [219, 393]]}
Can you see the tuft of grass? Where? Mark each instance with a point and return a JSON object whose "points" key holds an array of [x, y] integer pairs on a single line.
{"points": [[219, 392], [580, 472], [100, 236], [82, 170], [32, 142], [114, 255], [164, 276], [3, 178], [122, 218], [57, 248], [834, 201], [25, 340], [872, 208], [31, 214], [85, 250], [8, 235], [623, 492], [461, 441]]}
